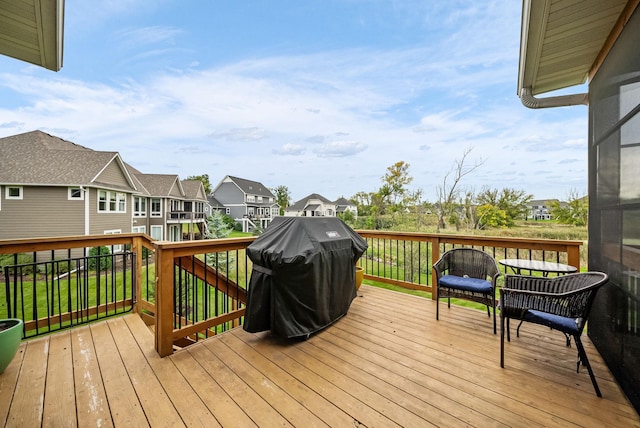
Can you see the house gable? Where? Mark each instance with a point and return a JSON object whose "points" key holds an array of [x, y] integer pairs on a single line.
{"points": [[115, 175]]}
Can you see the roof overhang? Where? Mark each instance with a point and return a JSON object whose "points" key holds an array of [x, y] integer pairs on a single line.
{"points": [[32, 31], [563, 42]]}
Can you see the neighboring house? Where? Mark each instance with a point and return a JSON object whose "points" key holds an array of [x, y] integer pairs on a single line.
{"points": [[343, 205], [313, 205], [53, 187], [540, 209], [248, 202], [169, 209], [563, 44]]}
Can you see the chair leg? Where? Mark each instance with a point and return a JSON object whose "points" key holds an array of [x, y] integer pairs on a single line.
{"points": [[502, 340], [437, 308], [494, 320], [582, 357]]}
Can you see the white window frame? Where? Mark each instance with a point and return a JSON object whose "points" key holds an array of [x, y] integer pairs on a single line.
{"points": [[259, 199], [7, 191], [156, 213], [227, 210], [119, 247], [251, 198], [142, 201], [156, 227], [139, 229], [114, 202], [75, 190], [175, 233]]}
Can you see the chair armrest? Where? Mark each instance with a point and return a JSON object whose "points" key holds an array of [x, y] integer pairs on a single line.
{"points": [[514, 302]]}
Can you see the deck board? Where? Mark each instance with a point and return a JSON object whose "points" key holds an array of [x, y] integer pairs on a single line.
{"points": [[388, 362], [90, 396], [59, 404]]}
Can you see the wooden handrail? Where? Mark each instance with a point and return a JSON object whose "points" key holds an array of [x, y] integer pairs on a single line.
{"points": [[168, 254]]}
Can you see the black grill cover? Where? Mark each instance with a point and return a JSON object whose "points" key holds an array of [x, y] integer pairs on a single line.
{"points": [[303, 276]]}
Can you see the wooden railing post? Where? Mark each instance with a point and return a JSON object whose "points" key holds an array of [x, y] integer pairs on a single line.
{"points": [[573, 255], [164, 301], [137, 248], [435, 256]]}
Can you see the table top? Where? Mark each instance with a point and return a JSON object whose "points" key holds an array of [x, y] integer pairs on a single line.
{"points": [[538, 265]]}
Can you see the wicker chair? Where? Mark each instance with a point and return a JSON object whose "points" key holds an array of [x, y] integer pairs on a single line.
{"points": [[561, 303], [469, 274]]}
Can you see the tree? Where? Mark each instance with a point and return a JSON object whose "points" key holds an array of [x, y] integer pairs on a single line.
{"points": [[218, 228], [449, 192], [575, 212], [395, 184], [283, 197], [205, 182], [511, 201], [490, 216]]}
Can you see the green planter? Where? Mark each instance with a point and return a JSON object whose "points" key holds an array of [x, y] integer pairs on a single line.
{"points": [[10, 337]]}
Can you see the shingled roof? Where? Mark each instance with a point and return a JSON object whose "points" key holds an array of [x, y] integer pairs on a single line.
{"points": [[160, 185], [194, 189], [252, 187], [37, 158], [302, 203]]}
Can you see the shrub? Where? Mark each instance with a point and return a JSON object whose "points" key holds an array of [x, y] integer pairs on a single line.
{"points": [[23, 259], [96, 261]]}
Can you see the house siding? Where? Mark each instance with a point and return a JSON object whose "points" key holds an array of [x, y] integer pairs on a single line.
{"points": [[42, 212], [113, 174], [231, 197], [99, 222], [175, 192]]}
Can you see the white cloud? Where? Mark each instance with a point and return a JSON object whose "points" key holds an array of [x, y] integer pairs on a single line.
{"points": [[340, 149], [290, 149]]}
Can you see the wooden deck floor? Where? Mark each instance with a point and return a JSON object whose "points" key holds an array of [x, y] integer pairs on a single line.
{"points": [[387, 363]]}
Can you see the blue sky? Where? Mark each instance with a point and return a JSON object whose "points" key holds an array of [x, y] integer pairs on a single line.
{"points": [[318, 95]]}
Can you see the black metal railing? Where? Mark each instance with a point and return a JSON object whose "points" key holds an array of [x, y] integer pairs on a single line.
{"points": [[209, 286], [406, 259], [50, 293]]}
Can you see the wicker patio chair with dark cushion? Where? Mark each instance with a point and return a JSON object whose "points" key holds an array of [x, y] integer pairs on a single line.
{"points": [[469, 274], [561, 303]]}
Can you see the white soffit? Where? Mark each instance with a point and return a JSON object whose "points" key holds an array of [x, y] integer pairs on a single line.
{"points": [[32, 31], [561, 39]]}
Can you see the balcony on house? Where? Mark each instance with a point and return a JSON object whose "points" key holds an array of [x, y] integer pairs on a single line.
{"points": [[170, 350]]}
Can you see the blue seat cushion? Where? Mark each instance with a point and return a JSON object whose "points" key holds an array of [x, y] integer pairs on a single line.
{"points": [[556, 322], [465, 283]]}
